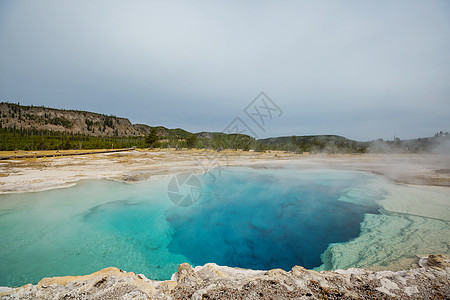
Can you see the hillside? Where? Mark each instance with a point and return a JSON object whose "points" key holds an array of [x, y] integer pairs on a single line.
{"points": [[75, 122], [69, 121], [162, 131], [321, 143], [42, 128]]}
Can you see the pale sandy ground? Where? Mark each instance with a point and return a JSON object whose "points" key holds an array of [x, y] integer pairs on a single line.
{"points": [[34, 174]]}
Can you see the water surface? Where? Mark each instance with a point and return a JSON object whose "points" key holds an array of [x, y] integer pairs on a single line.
{"points": [[249, 218]]}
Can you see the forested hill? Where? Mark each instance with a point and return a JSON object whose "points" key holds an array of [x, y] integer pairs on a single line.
{"points": [[312, 143], [69, 121], [76, 122], [439, 143], [42, 128]]}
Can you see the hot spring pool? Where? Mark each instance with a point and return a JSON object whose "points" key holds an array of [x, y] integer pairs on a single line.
{"points": [[248, 218]]}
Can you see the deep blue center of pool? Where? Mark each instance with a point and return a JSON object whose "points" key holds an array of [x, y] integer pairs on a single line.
{"points": [[248, 218], [266, 221]]}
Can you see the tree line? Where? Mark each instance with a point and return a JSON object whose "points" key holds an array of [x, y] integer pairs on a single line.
{"points": [[12, 139]]}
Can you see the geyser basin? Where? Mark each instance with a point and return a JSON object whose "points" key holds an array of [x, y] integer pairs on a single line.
{"points": [[249, 218]]}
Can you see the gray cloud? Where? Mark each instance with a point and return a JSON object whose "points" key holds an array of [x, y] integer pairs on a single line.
{"points": [[362, 69]]}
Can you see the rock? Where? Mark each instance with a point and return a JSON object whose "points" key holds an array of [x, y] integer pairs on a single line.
{"points": [[167, 286], [136, 176], [438, 261], [107, 283], [216, 282], [186, 274]]}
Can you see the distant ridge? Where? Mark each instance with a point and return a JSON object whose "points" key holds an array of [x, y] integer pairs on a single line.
{"points": [[39, 128], [309, 143], [69, 121]]}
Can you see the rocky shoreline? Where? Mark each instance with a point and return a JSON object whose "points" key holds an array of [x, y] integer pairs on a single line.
{"points": [[430, 281]]}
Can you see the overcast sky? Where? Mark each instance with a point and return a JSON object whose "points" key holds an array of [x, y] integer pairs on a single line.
{"points": [[361, 69]]}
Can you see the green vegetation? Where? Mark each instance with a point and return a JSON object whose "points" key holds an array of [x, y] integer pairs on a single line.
{"points": [[22, 128], [316, 143], [16, 108], [191, 141], [108, 121], [59, 121], [32, 139], [439, 143], [152, 139]]}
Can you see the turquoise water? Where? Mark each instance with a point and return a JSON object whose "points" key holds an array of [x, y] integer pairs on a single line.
{"points": [[249, 218]]}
